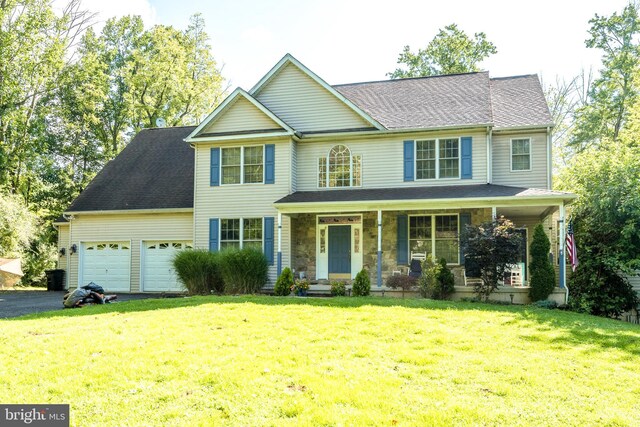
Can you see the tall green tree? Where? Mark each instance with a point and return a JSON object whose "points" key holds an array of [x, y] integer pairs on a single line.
{"points": [[451, 51], [606, 225], [33, 43], [615, 90]]}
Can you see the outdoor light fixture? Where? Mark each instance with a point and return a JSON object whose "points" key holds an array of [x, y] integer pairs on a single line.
{"points": [[62, 251], [73, 249]]}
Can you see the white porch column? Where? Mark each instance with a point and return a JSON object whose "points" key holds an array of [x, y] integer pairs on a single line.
{"points": [[561, 250], [494, 213], [379, 271], [279, 261]]}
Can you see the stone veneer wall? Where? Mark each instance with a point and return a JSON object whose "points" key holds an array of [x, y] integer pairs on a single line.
{"points": [[303, 244], [303, 241]]}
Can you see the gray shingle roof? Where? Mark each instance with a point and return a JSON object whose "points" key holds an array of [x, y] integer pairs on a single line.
{"points": [[451, 100], [154, 171], [418, 193], [518, 101]]}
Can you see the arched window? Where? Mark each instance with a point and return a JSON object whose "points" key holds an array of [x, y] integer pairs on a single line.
{"points": [[339, 168]]}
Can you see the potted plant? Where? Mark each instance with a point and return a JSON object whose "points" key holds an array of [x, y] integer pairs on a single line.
{"points": [[300, 287]]}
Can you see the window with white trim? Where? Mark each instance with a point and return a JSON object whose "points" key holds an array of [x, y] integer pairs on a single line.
{"points": [[438, 158], [436, 235], [521, 154], [242, 165], [240, 233], [340, 168]]}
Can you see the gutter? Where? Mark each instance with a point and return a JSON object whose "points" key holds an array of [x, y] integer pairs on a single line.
{"points": [[129, 211]]}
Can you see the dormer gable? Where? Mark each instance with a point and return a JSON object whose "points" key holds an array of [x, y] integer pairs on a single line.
{"points": [[240, 115], [307, 103]]}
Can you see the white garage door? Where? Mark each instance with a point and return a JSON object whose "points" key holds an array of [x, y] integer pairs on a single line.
{"points": [[158, 274], [107, 264]]}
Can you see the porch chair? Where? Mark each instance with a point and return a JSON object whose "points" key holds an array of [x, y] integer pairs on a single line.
{"points": [[420, 256], [514, 276], [415, 268]]}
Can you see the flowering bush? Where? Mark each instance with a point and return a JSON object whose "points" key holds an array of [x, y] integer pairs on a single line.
{"points": [[300, 285]]}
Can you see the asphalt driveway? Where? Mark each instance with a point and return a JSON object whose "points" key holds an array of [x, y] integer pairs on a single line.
{"points": [[18, 303]]}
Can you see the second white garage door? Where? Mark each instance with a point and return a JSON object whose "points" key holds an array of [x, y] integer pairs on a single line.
{"points": [[158, 274]]}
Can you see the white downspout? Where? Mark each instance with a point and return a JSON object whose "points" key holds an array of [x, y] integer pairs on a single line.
{"points": [[549, 161], [489, 155], [562, 251]]}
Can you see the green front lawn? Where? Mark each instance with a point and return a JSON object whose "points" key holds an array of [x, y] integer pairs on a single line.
{"points": [[343, 361]]}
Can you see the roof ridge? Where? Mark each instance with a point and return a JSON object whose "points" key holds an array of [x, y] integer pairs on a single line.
{"points": [[168, 127], [519, 76], [411, 78]]}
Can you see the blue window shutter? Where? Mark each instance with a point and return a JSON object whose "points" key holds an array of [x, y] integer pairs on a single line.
{"points": [[269, 164], [215, 167], [465, 219], [268, 238], [214, 227], [465, 158], [403, 240], [409, 160]]}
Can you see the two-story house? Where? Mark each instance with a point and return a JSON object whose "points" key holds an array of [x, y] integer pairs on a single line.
{"points": [[326, 179]]}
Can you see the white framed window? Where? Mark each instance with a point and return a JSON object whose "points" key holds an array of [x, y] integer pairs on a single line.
{"points": [[520, 154], [437, 235], [339, 168], [437, 158], [242, 165], [240, 233]]}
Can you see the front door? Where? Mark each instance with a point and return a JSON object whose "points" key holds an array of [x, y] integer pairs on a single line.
{"points": [[340, 250]]}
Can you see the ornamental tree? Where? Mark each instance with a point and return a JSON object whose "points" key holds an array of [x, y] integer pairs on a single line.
{"points": [[492, 245]]}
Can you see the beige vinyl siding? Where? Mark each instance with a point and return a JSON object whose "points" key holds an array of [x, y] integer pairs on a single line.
{"points": [[634, 280], [127, 227], [382, 160], [242, 115], [502, 174], [305, 105], [242, 200], [63, 242]]}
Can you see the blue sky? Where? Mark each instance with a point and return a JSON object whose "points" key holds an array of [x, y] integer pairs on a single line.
{"points": [[348, 40]]}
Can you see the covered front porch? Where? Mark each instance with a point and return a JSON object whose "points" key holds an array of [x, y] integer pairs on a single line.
{"points": [[334, 234]]}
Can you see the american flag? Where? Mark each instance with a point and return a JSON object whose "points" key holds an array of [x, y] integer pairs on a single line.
{"points": [[572, 251]]}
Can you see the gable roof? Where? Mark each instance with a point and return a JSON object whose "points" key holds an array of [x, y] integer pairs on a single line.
{"points": [[438, 101], [452, 100], [519, 101], [154, 171], [289, 60], [226, 106]]}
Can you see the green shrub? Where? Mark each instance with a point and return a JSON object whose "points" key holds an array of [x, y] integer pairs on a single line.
{"points": [[543, 276], [427, 282], [244, 270], [546, 304], [402, 281], [284, 283], [445, 283], [338, 289], [362, 284], [199, 271]]}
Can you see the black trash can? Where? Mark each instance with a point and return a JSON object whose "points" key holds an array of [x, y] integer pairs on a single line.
{"points": [[55, 280]]}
